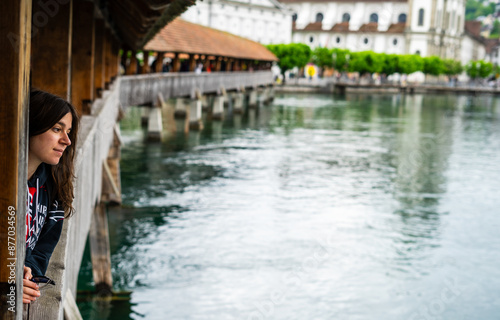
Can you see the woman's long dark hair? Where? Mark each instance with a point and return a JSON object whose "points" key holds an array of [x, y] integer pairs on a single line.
{"points": [[45, 111]]}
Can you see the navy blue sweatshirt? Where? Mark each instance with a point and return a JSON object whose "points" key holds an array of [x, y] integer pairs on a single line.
{"points": [[43, 221]]}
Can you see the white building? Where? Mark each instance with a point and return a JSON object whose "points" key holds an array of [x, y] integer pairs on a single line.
{"points": [[426, 27], [264, 21]]}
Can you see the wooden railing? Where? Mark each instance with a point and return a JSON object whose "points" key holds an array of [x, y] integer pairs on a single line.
{"points": [[144, 89], [94, 141]]}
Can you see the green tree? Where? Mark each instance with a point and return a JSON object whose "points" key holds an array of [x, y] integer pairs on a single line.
{"points": [[391, 64], [495, 32], [479, 69], [366, 62], [291, 55], [322, 57], [340, 59], [433, 65], [452, 67], [409, 63]]}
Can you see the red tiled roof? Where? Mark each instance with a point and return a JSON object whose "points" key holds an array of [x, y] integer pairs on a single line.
{"points": [[314, 26], [184, 37], [340, 27], [396, 28], [473, 27], [369, 27]]}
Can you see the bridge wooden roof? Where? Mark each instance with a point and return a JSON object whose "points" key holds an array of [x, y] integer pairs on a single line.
{"points": [[136, 21], [180, 36]]}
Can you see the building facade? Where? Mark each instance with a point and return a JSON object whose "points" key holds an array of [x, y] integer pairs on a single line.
{"points": [[263, 21], [425, 27]]}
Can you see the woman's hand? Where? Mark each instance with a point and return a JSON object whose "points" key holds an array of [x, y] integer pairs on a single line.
{"points": [[30, 289]]}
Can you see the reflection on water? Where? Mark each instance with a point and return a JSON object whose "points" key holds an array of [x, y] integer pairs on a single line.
{"points": [[317, 207]]}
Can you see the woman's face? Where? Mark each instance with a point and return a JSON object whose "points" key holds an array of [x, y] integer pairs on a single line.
{"points": [[49, 146]]}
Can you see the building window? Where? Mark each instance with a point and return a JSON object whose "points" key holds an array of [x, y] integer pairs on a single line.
{"points": [[421, 17], [374, 17], [337, 40], [395, 42], [319, 17], [365, 41], [294, 17], [346, 17], [402, 18], [311, 39]]}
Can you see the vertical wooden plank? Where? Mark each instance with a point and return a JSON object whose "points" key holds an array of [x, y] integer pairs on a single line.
{"points": [[107, 57], [176, 64], [51, 38], [218, 62], [145, 67], [115, 53], [82, 53], [98, 57], [192, 63], [100, 252], [15, 41], [132, 67], [159, 61]]}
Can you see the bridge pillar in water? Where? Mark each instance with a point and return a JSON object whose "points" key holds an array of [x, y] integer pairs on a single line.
{"points": [[180, 108], [252, 98], [195, 122], [218, 108], [155, 124], [239, 98]]}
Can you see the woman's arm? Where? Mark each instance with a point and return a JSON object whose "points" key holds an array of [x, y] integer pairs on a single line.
{"points": [[30, 289]]}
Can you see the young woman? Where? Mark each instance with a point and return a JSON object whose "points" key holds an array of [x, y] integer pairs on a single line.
{"points": [[53, 128]]}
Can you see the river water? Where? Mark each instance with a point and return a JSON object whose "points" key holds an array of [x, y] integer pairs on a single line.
{"points": [[316, 207]]}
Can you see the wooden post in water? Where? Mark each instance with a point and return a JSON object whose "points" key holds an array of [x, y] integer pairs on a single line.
{"points": [[111, 183], [15, 41], [52, 36], [100, 252], [82, 53]]}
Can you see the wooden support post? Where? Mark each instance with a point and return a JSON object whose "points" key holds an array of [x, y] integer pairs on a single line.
{"points": [[115, 54], [229, 65], [111, 182], [218, 63], [237, 65], [176, 64], [159, 61], [145, 67], [107, 57], [100, 252], [99, 58], [15, 41], [192, 63], [82, 53], [52, 35], [132, 68]]}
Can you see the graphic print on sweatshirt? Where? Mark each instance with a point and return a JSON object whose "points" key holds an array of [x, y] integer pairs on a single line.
{"points": [[37, 212]]}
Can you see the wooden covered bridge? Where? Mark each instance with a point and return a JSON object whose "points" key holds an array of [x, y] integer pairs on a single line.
{"points": [[72, 48]]}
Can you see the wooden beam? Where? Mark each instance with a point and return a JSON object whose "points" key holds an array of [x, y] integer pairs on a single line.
{"points": [[145, 67], [176, 63], [107, 57], [115, 54], [192, 63], [82, 53], [132, 67], [100, 252], [99, 57], [159, 61], [15, 41], [218, 62], [51, 44]]}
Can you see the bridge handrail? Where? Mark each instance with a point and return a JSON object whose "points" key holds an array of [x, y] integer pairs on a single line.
{"points": [[144, 88]]}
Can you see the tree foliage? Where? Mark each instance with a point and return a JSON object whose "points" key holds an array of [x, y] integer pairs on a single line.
{"points": [[479, 69], [291, 55], [476, 8]]}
